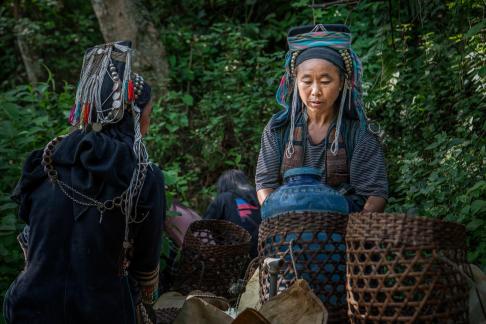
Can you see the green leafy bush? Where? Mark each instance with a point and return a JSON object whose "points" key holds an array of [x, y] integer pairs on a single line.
{"points": [[29, 117]]}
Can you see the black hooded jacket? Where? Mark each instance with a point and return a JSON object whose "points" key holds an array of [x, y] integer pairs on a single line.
{"points": [[73, 262]]}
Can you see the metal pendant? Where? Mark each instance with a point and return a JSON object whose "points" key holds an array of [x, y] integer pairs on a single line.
{"points": [[117, 104], [116, 95], [97, 127]]}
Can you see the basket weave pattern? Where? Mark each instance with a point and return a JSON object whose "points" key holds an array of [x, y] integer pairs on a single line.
{"points": [[400, 270], [318, 248], [166, 315], [215, 254]]}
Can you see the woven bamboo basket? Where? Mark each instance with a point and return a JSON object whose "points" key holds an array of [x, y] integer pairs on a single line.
{"points": [[315, 241], [214, 256], [166, 315], [405, 270]]}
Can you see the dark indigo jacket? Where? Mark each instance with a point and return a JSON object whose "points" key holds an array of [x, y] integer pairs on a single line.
{"points": [[73, 262]]}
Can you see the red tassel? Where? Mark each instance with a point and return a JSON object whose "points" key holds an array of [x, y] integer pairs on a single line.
{"points": [[86, 112], [130, 91]]}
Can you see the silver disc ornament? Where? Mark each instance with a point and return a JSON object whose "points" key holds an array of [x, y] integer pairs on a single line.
{"points": [[116, 85], [97, 127]]}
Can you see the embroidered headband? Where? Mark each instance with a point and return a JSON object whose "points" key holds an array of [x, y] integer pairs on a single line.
{"points": [[323, 53]]}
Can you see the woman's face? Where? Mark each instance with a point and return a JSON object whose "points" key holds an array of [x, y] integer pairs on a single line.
{"points": [[319, 84]]}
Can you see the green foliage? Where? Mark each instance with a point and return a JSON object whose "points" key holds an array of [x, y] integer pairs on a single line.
{"points": [[56, 32], [216, 101], [29, 116], [430, 101]]}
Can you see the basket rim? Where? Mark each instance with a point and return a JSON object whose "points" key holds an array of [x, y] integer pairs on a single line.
{"points": [[406, 217], [207, 223]]}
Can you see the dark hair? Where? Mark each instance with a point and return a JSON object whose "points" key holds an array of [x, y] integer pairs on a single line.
{"points": [[235, 181], [144, 97]]}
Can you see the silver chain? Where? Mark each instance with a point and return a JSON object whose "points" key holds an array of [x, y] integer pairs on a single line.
{"points": [[69, 191]]}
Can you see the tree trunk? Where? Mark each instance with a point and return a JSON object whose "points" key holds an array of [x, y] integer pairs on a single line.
{"points": [[31, 61], [127, 20]]}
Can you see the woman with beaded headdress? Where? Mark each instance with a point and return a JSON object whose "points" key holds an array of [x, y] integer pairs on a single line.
{"points": [[323, 123], [94, 206]]}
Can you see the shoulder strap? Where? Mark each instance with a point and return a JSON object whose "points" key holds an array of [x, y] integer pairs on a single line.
{"points": [[350, 136], [297, 159], [337, 170], [337, 166]]}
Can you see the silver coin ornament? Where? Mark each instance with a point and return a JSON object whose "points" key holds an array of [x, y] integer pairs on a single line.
{"points": [[117, 104], [116, 95], [97, 127]]}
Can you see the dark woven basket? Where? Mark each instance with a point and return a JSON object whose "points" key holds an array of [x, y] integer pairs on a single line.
{"points": [[214, 255], [167, 315], [404, 270], [318, 249]]}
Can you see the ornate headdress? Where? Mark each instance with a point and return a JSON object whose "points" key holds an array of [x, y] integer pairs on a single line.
{"points": [[106, 87], [338, 38]]}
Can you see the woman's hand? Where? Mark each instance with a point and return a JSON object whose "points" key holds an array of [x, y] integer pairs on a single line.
{"points": [[263, 194], [374, 204]]}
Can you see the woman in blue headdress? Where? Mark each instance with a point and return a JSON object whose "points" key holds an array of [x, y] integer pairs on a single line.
{"points": [[94, 206], [323, 123]]}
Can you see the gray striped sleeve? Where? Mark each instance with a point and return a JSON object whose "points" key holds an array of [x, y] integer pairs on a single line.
{"points": [[268, 165], [368, 171]]}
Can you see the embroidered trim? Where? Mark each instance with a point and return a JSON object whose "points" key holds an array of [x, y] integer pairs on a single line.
{"points": [[148, 283]]}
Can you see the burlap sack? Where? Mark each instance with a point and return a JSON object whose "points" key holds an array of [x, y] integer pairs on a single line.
{"points": [[171, 299], [198, 311], [296, 305], [251, 297], [250, 316], [477, 295]]}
